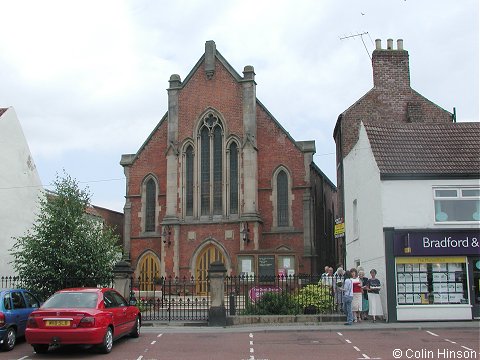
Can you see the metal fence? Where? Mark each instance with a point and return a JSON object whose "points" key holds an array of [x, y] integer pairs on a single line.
{"points": [[44, 288], [170, 298], [283, 295]]}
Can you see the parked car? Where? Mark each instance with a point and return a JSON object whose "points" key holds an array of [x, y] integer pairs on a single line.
{"points": [[15, 307], [82, 316]]}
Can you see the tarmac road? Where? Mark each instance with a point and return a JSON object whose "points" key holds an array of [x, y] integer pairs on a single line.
{"points": [[437, 340]]}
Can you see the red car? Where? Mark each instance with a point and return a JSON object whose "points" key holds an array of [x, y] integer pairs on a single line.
{"points": [[82, 316]]}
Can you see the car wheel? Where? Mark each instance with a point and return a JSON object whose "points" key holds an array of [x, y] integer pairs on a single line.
{"points": [[136, 328], [10, 339], [107, 344], [40, 348]]}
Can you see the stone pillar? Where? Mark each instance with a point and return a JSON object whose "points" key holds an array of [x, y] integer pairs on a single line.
{"points": [[250, 165], [123, 278], [217, 315], [126, 161], [172, 147]]}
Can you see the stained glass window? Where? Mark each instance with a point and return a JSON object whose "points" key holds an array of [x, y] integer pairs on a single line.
{"points": [[189, 181], [282, 199], [205, 172], [233, 178], [150, 196]]}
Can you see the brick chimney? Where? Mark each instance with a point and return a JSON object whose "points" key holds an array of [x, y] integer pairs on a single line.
{"points": [[390, 67]]}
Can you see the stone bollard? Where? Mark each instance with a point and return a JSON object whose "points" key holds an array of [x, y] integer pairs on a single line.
{"points": [[217, 315], [122, 278]]}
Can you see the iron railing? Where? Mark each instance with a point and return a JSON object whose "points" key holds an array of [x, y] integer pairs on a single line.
{"points": [[44, 289], [283, 295], [170, 298]]}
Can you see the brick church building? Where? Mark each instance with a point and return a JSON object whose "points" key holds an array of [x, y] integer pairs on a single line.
{"points": [[220, 179]]}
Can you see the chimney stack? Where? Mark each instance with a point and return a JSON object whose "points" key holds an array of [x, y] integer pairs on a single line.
{"points": [[390, 66]]}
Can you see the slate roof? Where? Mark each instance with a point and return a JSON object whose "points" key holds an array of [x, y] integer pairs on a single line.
{"points": [[426, 149]]}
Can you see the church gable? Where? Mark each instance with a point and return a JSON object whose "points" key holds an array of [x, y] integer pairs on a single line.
{"points": [[219, 166]]}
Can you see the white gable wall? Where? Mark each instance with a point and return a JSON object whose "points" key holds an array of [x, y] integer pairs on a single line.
{"points": [[362, 182], [408, 204], [20, 187]]}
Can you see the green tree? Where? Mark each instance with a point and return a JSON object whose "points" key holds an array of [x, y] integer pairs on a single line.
{"points": [[66, 247]]}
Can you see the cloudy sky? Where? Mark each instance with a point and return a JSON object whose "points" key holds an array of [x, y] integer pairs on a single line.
{"points": [[88, 78]]}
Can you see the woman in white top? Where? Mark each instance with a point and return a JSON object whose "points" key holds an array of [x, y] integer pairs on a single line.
{"points": [[374, 302]]}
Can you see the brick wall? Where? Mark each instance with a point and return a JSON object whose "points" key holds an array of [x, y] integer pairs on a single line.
{"points": [[223, 93]]}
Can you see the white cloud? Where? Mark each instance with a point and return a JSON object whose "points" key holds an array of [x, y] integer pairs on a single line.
{"points": [[88, 78]]}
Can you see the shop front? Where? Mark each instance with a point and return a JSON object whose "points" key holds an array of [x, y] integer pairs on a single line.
{"points": [[434, 275]]}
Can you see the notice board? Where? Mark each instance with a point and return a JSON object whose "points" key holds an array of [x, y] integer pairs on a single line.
{"points": [[266, 266]]}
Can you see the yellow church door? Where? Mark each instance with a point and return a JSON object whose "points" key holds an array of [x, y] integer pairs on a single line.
{"points": [[149, 272], [208, 255]]}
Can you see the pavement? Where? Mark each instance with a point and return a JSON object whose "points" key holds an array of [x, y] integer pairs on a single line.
{"points": [[179, 327]]}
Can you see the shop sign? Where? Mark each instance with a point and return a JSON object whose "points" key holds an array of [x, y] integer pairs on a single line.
{"points": [[257, 292], [434, 243], [339, 228]]}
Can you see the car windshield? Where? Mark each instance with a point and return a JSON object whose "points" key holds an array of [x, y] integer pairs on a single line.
{"points": [[65, 300]]}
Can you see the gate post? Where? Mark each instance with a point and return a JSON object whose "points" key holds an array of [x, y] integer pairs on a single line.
{"points": [[217, 315], [122, 278]]}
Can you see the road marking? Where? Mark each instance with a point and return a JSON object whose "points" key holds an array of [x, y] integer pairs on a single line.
{"points": [[467, 348], [159, 335], [25, 357], [431, 333], [450, 341], [365, 356], [252, 357], [153, 342], [140, 357]]}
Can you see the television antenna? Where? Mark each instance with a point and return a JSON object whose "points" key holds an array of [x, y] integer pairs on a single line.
{"points": [[361, 37]]}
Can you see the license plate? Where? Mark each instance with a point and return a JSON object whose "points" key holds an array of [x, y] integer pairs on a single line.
{"points": [[57, 323]]}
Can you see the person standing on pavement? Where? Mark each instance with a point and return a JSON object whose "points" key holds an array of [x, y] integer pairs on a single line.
{"points": [[357, 296], [347, 290], [338, 294], [375, 304], [364, 281]]}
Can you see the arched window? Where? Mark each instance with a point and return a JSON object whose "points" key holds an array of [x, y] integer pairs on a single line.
{"points": [[233, 178], [189, 181], [150, 202], [282, 199], [217, 171], [211, 166], [205, 172]]}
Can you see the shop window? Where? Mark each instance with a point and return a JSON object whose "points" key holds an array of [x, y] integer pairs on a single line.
{"points": [[457, 204], [431, 281], [286, 266]]}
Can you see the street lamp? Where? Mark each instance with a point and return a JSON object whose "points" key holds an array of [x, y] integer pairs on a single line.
{"points": [[245, 232]]}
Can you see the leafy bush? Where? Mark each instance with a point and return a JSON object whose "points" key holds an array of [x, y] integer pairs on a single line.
{"points": [[272, 304], [318, 296]]}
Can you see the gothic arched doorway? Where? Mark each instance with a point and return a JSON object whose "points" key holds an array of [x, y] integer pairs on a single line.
{"points": [[149, 271], [207, 256]]}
